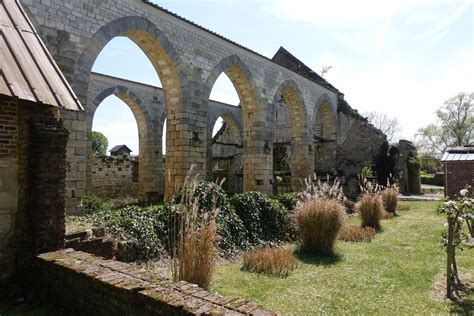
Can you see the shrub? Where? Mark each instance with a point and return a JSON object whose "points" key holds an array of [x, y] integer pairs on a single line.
{"points": [[274, 261], [288, 200], [92, 203], [264, 219], [356, 233], [390, 200], [229, 225], [318, 222], [370, 209], [138, 230]]}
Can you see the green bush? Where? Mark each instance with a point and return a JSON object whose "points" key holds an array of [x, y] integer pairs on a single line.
{"points": [[92, 204], [288, 200], [264, 219], [229, 226], [139, 231]]}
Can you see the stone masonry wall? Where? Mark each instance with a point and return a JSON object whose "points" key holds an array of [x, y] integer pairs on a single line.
{"points": [[189, 59], [114, 177], [358, 145], [75, 123], [86, 284], [8, 185]]}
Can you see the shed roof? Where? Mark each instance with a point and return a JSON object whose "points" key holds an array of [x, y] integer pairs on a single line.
{"points": [[27, 70], [119, 147], [458, 154]]}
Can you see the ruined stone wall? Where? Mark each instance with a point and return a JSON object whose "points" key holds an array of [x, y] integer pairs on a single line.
{"points": [[114, 177], [358, 145], [75, 123]]}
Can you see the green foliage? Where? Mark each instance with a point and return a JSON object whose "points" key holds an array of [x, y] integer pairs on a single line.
{"points": [[92, 203], [367, 172], [99, 143], [413, 163], [230, 227], [454, 126], [264, 219], [140, 231], [288, 200]]}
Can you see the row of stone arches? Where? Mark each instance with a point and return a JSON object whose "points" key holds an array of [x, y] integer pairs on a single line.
{"points": [[188, 135]]}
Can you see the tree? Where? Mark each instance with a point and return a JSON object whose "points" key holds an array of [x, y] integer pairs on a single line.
{"points": [[454, 126], [388, 125], [99, 143], [456, 211]]}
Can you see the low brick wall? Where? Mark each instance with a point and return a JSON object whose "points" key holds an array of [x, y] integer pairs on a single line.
{"points": [[84, 283]]}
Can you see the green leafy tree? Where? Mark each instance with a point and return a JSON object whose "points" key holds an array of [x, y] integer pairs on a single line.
{"points": [[99, 143], [454, 126]]}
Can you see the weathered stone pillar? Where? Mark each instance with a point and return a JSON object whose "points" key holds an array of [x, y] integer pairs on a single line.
{"points": [[302, 161]]}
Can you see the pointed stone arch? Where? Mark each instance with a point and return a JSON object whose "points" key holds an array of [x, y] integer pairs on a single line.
{"points": [[325, 127], [150, 187], [166, 61], [301, 141], [257, 158]]}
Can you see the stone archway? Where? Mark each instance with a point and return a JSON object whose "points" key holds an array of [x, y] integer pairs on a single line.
{"points": [[166, 62], [225, 152], [150, 188], [257, 159], [325, 136], [301, 164]]}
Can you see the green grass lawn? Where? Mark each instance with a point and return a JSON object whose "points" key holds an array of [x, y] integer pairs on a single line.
{"points": [[394, 274]]}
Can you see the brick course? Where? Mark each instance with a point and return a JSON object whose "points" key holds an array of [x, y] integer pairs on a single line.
{"points": [[457, 175]]}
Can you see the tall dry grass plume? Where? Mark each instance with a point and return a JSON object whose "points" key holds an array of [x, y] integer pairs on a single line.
{"points": [[193, 238], [390, 200], [315, 188], [274, 261], [318, 221], [370, 209], [356, 233]]}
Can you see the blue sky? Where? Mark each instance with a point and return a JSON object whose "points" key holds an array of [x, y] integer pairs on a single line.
{"points": [[403, 58]]}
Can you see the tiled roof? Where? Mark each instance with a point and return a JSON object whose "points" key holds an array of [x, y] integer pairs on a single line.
{"points": [[286, 59], [118, 147], [27, 70], [458, 154]]}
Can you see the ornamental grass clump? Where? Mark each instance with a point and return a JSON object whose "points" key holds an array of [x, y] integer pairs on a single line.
{"points": [[390, 200], [370, 210], [274, 261], [318, 222], [356, 233], [194, 244]]}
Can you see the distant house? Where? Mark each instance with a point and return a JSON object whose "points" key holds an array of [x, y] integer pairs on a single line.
{"points": [[458, 169], [120, 150]]}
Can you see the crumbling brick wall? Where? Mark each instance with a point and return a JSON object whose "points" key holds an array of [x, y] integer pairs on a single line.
{"points": [[32, 173], [114, 177]]}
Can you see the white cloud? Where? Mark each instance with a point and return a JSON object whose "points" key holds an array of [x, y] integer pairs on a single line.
{"points": [[346, 13]]}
